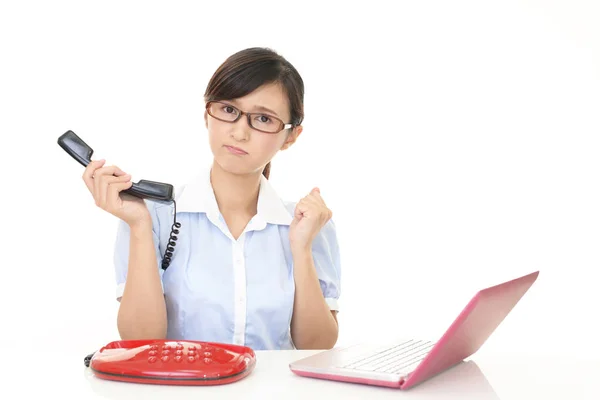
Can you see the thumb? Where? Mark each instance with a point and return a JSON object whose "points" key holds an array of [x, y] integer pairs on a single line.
{"points": [[316, 190]]}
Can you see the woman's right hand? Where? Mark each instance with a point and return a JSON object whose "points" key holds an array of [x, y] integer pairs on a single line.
{"points": [[105, 184]]}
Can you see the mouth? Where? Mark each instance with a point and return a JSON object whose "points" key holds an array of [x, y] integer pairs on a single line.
{"points": [[235, 150]]}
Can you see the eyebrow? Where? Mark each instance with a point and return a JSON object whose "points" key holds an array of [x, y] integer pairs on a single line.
{"points": [[259, 108], [262, 108]]}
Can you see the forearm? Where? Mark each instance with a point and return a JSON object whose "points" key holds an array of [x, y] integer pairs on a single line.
{"points": [[142, 312], [313, 325]]}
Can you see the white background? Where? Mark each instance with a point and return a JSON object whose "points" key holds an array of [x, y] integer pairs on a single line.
{"points": [[457, 144]]}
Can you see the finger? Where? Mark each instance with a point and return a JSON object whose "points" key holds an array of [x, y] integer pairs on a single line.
{"points": [[311, 206], [89, 171], [316, 193], [308, 209], [313, 201], [306, 203], [301, 208], [97, 177], [114, 189], [109, 170], [105, 182]]}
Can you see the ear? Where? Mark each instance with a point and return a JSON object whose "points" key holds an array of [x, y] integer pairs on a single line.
{"points": [[292, 137]]}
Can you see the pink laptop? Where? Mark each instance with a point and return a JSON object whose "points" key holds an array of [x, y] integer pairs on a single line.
{"points": [[410, 362]]}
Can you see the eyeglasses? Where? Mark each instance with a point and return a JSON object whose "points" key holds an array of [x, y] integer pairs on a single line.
{"points": [[259, 121]]}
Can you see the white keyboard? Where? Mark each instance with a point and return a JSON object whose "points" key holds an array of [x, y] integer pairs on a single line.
{"points": [[396, 359]]}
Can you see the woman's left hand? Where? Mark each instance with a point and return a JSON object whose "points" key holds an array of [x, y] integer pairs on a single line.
{"points": [[310, 216]]}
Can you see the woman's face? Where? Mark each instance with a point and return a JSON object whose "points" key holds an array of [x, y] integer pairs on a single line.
{"points": [[240, 149]]}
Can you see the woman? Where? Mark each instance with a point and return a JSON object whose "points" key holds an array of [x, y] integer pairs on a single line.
{"points": [[247, 267]]}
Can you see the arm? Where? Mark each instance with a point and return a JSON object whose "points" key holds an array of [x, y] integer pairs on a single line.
{"points": [[315, 254], [313, 326], [142, 312]]}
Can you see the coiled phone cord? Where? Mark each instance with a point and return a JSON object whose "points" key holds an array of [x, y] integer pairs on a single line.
{"points": [[166, 261], [172, 239]]}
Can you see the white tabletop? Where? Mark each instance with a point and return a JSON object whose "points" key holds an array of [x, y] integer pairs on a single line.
{"points": [[482, 377]]}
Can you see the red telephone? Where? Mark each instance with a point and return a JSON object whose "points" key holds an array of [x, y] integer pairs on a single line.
{"points": [[169, 362]]}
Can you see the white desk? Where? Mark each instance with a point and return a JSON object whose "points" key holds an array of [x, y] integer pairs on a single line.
{"points": [[485, 377]]}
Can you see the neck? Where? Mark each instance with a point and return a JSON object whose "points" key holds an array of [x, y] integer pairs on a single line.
{"points": [[235, 193]]}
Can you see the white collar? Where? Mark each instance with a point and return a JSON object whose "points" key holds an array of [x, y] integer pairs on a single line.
{"points": [[198, 196]]}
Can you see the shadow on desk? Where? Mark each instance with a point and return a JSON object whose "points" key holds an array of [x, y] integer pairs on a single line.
{"points": [[464, 381]]}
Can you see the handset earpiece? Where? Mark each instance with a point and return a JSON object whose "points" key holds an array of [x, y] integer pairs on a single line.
{"points": [[77, 148]]}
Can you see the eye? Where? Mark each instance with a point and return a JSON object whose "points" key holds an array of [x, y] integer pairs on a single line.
{"points": [[229, 109], [263, 119]]}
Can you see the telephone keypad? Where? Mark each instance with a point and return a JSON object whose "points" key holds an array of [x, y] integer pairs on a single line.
{"points": [[178, 353]]}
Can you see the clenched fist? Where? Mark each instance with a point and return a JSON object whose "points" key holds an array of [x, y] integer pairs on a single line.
{"points": [[310, 215]]}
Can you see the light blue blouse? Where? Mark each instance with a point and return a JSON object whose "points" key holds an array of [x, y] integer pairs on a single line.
{"points": [[224, 290]]}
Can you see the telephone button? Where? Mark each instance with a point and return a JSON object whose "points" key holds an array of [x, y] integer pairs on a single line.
{"points": [[179, 352], [165, 352], [207, 361], [152, 352], [207, 354], [178, 358], [191, 359], [151, 359], [165, 358]]}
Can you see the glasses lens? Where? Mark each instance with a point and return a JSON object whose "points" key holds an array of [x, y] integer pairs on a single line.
{"points": [[223, 111], [265, 123]]}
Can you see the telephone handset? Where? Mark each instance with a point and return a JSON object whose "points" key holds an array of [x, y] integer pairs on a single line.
{"points": [[80, 151], [168, 362], [155, 191]]}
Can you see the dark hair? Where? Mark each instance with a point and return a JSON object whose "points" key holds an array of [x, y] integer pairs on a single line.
{"points": [[247, 70]]}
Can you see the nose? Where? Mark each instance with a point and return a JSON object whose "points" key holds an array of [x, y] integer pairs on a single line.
{"points": [[241, 130]]}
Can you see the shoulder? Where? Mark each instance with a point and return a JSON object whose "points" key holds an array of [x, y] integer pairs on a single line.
{"points": [[158, 209], [162, 214]]}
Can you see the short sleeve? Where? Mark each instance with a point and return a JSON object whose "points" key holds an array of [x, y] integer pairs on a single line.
{"points": [[121, 249], [326, 255]]}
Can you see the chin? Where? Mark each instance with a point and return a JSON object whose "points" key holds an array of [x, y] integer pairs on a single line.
{"points": [[235, 167]]}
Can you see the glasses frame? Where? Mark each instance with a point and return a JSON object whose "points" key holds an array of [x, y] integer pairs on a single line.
{"points": [[283, 125]]}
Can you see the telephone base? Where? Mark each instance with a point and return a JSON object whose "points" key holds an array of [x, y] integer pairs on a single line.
{"points": [[172, 362]]}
